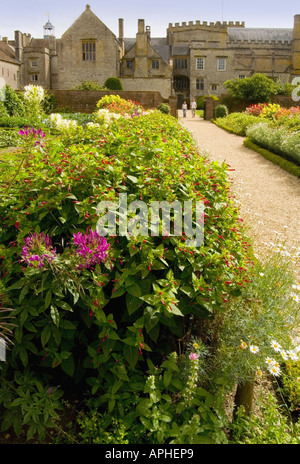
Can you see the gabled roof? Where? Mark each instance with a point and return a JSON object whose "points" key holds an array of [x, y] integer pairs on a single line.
{"points": [[87, 17], [7, 53]]}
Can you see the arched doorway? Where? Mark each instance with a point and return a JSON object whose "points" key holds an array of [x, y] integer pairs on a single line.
{"points": [[181, 86]]}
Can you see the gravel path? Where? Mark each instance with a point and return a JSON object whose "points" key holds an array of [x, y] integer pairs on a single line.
{"points": [[268, 196]]}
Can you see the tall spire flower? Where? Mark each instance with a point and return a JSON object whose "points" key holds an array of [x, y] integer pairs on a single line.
{"points": [[91, 248], [38, 250]]}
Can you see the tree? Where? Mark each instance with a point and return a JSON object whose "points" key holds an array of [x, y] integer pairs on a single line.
{"points": [[256, 89]]}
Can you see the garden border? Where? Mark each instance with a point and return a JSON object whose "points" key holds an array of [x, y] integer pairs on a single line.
{"points": [[276, 159]]}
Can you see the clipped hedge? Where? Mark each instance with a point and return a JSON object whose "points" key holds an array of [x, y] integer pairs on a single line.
{"points": [[276, 159]]}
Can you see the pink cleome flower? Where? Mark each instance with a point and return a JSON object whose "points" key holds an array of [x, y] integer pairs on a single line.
{"points": [[37, 249], [193, 356], [91, 248]]}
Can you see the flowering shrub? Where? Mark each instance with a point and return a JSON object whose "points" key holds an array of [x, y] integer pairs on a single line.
{"points": [[61, 123], [116, 104], [255, 110], [270, 111], [34, 96], [97, 310]]}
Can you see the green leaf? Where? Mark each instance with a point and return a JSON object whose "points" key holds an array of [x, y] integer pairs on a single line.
{"points": [[131, 354], [55, 315], [63, 305], [132, 303], [48, 299], [116, 386], [167, 378], [133, 179], [23, 293], [46, 334], [111, 405], [134, 290], [68, 366], [23, 355]]}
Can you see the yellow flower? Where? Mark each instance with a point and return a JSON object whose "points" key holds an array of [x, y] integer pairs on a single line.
{"points": [[243, 345]]}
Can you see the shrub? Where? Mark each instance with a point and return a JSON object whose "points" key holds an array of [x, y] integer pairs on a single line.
{"points": [[116, 104], [277, 140], [48, 103], [33, 97], [85, 313], [164, 108], [238, 123], [221, 111], [291, 384], [257, 89], [270, 426], [9, 138], [14, 103], [90, 85], [255, 110], [113, 83]]}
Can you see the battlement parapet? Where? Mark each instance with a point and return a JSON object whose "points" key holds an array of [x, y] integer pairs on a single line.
{"points": [[204, 24]]}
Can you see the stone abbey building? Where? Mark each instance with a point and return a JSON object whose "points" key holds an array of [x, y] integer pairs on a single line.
{"points": [[192, 60]]}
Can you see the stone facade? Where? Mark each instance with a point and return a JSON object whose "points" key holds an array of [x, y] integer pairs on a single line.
{"points": [[194, 59], [206, 55], [9, 67], [87, 51]]}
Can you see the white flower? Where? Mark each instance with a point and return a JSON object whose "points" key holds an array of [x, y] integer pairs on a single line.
{"points": [[254, 349], [261, 274], [292, 355], [274, 370], [295, 297], [284, 355], [275, 346]]}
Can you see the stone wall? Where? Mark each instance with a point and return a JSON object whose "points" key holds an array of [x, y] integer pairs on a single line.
{"points": [[85, 101], [10, 73], [148, 84]]}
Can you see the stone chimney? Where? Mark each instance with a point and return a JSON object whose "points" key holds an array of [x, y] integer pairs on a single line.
{"points": [[296, 45], [121, 35]]}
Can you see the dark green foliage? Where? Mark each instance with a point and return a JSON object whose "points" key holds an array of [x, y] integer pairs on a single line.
{"points": [[90, 85], [14, 103], [257, 89], [113, 83], [164, 108], [221, 111]]}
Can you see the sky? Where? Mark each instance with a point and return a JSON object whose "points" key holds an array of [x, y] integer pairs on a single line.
{"points": [[30, 15]]}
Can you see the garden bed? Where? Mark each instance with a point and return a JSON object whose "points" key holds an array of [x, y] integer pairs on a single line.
{"points": [[143, 334]]}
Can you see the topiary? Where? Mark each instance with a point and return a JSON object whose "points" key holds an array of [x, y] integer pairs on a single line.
{"points": [[221, 111], [113, 83], [164, 108]]}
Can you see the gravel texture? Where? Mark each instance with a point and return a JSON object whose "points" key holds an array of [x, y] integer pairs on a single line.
{"points": [[268, 197]]}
